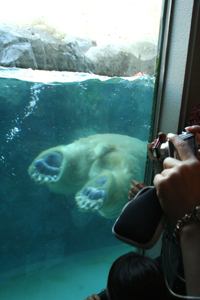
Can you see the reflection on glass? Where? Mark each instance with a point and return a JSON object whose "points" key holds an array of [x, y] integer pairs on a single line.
{"points": [[93, 75]]}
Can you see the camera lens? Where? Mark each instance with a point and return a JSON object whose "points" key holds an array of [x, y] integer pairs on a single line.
{"points": [[164, 150]]}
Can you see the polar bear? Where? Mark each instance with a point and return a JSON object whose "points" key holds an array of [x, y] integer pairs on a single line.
{"points": [[98, 169]]}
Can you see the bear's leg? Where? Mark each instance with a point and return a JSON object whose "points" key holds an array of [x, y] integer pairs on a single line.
{"points": [[92, 196]]}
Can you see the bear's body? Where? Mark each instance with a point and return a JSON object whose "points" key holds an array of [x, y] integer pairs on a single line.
{"points": [[97, 169]]}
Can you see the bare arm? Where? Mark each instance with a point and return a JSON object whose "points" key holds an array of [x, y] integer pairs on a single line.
{"points": [[178, 189], [190, 245]]}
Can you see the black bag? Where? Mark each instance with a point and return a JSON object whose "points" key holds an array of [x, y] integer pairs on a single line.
{"points": [[141, 221]]}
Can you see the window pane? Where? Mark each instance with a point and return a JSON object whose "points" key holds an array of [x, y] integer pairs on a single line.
{"points": [[82, 76]]}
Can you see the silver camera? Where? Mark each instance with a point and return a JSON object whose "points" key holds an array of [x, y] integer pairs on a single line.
{"points": [[167, 149]]}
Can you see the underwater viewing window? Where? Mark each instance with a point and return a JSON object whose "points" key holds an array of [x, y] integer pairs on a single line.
{"points": [[78, 81]]}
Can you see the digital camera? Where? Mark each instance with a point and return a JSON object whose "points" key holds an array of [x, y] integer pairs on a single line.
{"points": [[167, 149], [142, 220]]}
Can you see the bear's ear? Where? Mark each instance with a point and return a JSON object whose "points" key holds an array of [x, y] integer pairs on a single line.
{"points": [[102, 149]]}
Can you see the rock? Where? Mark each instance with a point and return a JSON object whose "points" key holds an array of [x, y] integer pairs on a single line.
{"points": [[35, 49], [123, 60], [143, 50], [84, 43], [16, 51], [39, 50]]}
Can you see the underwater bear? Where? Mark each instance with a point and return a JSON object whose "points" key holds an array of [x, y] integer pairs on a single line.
{"points": [[98, 169]]}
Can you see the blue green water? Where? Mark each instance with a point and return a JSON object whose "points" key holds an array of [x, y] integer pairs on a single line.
{"points": [[39, 110]]}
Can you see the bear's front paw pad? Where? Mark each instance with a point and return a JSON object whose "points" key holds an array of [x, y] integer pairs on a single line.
{"points": [[46, 169], [90, 199]]}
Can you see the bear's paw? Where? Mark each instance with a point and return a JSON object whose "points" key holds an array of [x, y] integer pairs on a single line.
{"points": [[47, 168], [90, 199]]}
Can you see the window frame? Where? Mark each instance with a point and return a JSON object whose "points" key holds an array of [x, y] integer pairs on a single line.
{"points": [[178, 59]]}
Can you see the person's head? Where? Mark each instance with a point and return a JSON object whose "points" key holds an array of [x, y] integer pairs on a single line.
{"points": [[133, 277]]}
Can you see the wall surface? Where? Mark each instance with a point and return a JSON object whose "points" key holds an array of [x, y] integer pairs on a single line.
{"points": [[176, 62], [194, 87]]}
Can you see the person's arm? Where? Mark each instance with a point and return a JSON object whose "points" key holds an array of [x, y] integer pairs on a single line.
{"points": [[190, 244], [178, 190], [178, 186]]}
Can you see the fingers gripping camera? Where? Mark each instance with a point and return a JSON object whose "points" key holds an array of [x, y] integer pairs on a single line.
{"points": [[167, 149]]}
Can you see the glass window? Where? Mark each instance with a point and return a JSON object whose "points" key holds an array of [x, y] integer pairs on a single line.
{"points": [[77, 84]]}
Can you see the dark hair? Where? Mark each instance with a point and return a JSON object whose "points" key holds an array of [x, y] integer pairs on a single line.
{"points": [[134, 277], [194, 117]]}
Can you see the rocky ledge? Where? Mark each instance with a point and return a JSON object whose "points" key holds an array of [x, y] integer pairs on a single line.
{"points": [[35, 49]]}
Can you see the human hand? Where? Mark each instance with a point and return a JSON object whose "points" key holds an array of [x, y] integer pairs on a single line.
{"points": [[178, 187], [93, 297], [195, 129], [133, 190], [157, 162]]}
